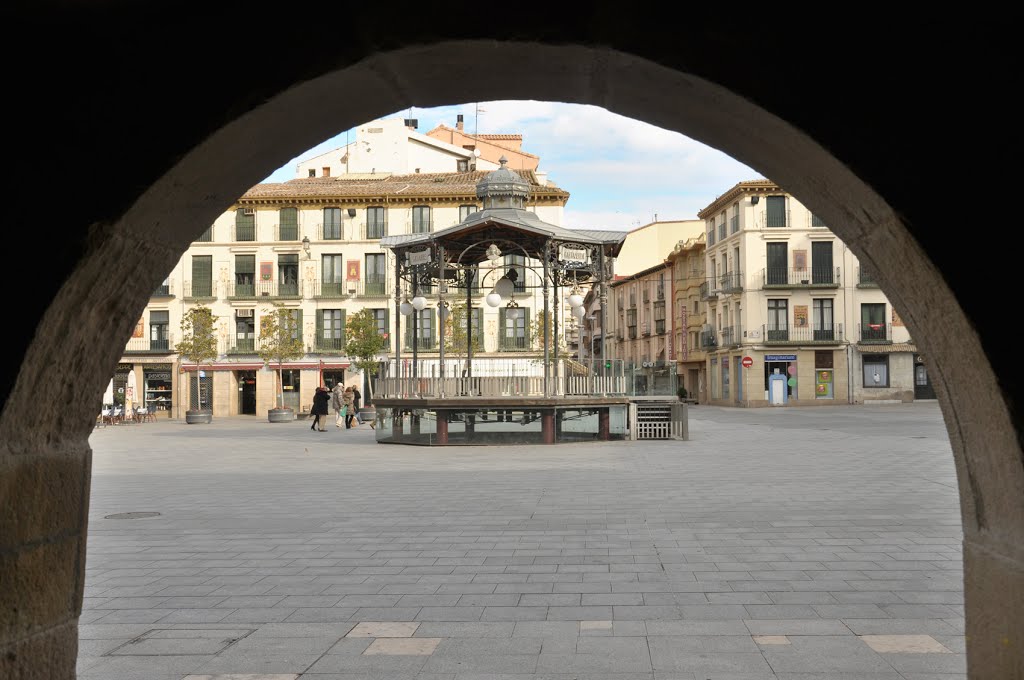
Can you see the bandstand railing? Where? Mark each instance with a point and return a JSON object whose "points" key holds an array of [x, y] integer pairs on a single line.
{"points": [[498, 378]]}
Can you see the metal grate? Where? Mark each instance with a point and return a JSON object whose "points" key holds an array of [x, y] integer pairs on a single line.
{"points": [[653, 421]]}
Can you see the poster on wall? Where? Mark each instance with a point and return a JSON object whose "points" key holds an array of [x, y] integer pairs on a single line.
{"points": [[352, 270], [140, 329], [799, 259], [266, 271], [800, 316]]}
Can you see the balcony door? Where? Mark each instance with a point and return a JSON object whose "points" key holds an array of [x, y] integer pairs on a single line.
{"points": [[823, 320], [778, 263], [332, 276], [822, 268]]}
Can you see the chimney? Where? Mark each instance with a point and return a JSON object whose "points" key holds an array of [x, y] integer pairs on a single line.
{"points": [[459, 123]]}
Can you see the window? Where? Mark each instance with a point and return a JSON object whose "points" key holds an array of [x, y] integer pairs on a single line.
{"points": [[383, 326], [288, 275], [778, 319], [245, 224], [817, 221], [517, 264], [821, 262], [326, 170], [332, 276], [332, 224], [876, 370], [421, 219], [659, 317], [202, 276], [206, 236], [872, 322], [735, 219], [245, 275], [376, 224], [376, 280], [420, 324], [823, 325], [721, 227], [462, 165], [513, 328], [465, 211], [777, 272], [245, 331], [312, 172], [158, 331], [288, 224], [711, 232], [330, 332], [775, 211], [631, 322]]}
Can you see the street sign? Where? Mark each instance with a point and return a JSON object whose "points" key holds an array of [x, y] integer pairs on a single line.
{"points": [[747, 362]]}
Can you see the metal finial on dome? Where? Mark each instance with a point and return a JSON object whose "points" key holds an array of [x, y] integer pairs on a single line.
{"points": [[503, 188]]}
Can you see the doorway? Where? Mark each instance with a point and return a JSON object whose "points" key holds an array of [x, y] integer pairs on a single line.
{"points": [[332, 377], [922, 383], [246, 392]]}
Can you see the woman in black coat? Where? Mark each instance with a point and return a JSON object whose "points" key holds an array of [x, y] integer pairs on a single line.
{"points": [[320, 400]]}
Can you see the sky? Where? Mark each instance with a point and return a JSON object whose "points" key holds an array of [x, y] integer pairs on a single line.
{"points": [[620, 173]]}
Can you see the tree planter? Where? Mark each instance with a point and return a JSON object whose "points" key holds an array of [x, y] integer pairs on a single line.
{"points": [[280, 415], [198, 417]]}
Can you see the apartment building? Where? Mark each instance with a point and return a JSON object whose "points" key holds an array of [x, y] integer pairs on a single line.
{"points": [[689, 316], [646, 246], [792, 317], [312, 246], [640, 323]]}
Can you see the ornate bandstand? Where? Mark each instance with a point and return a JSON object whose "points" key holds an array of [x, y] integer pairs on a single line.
{"points": [[455, 393]]}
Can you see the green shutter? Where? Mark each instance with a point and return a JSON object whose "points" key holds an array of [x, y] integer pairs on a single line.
{"points": [[288, 224], [202, 276], [319, 328]]}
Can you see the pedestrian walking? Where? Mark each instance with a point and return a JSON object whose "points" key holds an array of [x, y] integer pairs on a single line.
{"points": [[349, 401], [321, 398], [338, 402], [356, 398]]}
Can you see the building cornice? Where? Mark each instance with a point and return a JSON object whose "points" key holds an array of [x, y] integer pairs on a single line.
{"points": [[757, 186]]}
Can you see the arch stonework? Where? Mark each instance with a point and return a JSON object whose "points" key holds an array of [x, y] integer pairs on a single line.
{"points": [[137, 230]]}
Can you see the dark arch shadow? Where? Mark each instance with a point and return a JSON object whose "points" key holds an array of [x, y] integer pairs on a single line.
{"points": [[87, 324]]}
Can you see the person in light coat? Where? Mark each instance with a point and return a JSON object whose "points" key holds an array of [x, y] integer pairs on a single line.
{"points": [[337, 401]]}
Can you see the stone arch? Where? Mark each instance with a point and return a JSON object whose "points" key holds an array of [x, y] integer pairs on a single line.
{"points": [[47, 470]]}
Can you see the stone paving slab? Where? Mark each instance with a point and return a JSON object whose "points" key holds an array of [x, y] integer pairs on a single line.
{"points": [[775, 544]]}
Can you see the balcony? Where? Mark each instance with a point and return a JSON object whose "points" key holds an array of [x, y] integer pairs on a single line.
{"points": [[330, 231], [373, 230], [731, 282], [242, 346], [707, 291], [423, 344], [329, 345], [866, 278], [373, 286], [262, 290], [421, 226], [243, 232], [163, 290], [731, 336], [520, 343], [286, 232], [200, 290], [818, 335], [775, 221], [329, 290], [813, 277], [874, 333], [149, 346], [708, 339]]}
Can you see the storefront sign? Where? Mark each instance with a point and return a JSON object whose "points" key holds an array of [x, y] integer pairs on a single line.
{"points": [[780, 357]]}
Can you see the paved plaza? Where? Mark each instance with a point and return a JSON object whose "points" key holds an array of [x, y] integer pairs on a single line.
{"points": [[775, 544]]}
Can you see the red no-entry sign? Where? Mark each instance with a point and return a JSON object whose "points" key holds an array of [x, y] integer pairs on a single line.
{"points": [[747, 362]]}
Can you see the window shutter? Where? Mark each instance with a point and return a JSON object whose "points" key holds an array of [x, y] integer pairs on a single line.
{"points": [[526, 327], [319, 324]]}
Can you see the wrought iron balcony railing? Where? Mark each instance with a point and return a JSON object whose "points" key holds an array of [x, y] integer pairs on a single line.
{"points": [[243, 233], [329, 289], [811, 277], [163, 290], [880, 333], [706, 291], [732, 282], [818, 334], [150, 345], [515, 344], [241, 346], [731, 336], [708, 339], [866, 278], [200, 290], [373, 230], [286, 232], [330, 345], [372, 286]]}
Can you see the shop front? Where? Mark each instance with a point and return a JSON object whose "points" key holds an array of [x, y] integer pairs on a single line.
{"points": [[158, 389]]}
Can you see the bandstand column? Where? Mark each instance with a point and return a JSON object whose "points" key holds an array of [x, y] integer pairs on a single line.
{"points": [[547, 426]]}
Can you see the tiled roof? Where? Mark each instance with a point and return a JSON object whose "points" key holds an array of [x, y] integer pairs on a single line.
{"points": [[488, 138], [363, 185]]}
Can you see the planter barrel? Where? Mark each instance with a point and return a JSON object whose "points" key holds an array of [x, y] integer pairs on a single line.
{"points": [[198, 417], [280, 415]]}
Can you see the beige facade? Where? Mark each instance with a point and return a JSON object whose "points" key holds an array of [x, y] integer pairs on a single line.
{"points": [[689, 315], [311, 246], [646, 246], [786, 295], [639, 319]]}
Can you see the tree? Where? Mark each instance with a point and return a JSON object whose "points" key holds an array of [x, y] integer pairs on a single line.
{"points": [[363, 342], [455, 331], [541, 329], [280, 341], [198, 341]]}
